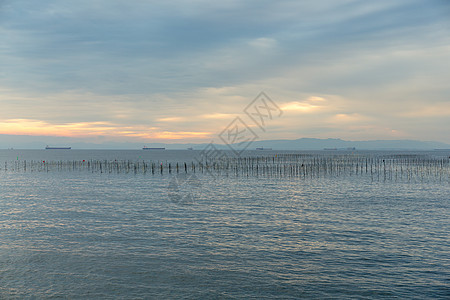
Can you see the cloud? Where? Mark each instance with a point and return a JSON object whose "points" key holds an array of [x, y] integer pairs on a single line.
{"points": [[298, 106], [93, 129], [313, 104], [170, 119], [182, 66], [263, 43], [435, 110], [218, 116], [349, 118]]}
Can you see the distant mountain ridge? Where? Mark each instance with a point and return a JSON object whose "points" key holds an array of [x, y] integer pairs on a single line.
{"points": [[39, 142], [319, 144]]}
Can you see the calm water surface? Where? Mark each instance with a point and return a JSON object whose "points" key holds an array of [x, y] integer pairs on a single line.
{"points": [[81, 235]]}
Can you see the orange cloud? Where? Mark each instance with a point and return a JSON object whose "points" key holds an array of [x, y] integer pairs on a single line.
{"points": [[218, 116], [170, 119], [298, 106], [348, 118], [176, 135], [87, 129], [311, 104]]}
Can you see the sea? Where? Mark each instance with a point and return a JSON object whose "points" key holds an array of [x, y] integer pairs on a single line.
{"points": [[78, 233]]}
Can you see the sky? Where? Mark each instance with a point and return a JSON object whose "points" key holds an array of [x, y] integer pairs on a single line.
{"points": [[182, 71]]}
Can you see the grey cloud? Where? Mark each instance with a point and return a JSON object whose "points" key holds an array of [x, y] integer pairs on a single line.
{"points": [[137, 50], [113, 46]]}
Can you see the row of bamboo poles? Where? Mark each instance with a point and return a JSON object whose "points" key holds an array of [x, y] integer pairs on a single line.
{"points": [[286, 165]]}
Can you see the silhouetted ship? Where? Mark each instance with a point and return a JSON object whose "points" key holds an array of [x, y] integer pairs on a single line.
{"points": [[262, 148], [57, 148], [155, 148]]}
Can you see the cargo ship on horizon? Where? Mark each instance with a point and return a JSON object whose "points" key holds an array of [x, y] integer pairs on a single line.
{"points": [[57, 148], [153, 148]]}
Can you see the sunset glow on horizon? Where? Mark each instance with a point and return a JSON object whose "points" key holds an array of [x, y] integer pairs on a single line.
{"points": [[93, 129]]}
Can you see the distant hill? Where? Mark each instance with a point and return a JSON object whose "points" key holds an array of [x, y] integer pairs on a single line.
{"points": [[319, 144], [39, 142]]}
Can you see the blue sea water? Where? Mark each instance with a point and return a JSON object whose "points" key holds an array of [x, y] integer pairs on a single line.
{"points": [[84, 235]]}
